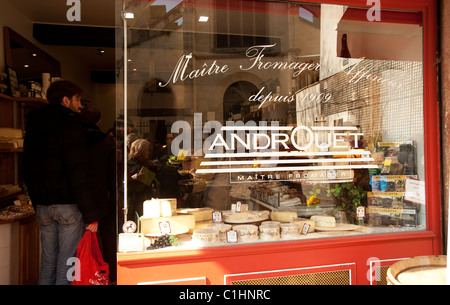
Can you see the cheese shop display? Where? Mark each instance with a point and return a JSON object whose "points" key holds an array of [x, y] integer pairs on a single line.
{"points": [[278, 211], [197, 227]]}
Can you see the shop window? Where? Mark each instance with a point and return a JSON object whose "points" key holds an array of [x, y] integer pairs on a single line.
{"points": [[240, 24], [293, 120]]}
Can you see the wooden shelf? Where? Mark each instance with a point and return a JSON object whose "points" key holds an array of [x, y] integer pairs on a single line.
{"points": [[12, 150], [31, 100]]}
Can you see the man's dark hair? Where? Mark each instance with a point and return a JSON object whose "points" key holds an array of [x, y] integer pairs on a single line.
{"points": [[90, 115], [61, 88]]}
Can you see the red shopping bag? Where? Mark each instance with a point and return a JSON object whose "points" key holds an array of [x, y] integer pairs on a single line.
{"points": [[90, 269]]}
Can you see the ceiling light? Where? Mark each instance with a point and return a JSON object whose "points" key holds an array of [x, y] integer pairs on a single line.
{"points": [[26, 66], [129, 15], [203, 18]]}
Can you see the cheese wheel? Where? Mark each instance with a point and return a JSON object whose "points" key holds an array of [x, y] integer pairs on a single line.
{"points": [[303, 221], [246, 232], [234, 216], [283, 215], [208, 235], [177, 223], [324, 221], [222, 228], [290, 230], [269, 231], [201, 214]]}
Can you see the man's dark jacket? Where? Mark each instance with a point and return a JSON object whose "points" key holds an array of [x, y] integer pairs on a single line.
{"points": [[102, 155], [56, 160]]}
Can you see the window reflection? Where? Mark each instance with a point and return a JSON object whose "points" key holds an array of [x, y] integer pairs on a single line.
{"points": [[305, 108]]}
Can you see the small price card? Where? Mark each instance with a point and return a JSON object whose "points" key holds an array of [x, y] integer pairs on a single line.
{"points": [[164, 227], [232, 236], [360, 212], [217, 216], [305, 229]]}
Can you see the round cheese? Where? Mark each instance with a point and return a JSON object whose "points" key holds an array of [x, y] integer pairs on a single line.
{"points": [[283, 215], [206, 235], [246, 232], [222, 228], [269, 231], [302, 221], [290, 230]]}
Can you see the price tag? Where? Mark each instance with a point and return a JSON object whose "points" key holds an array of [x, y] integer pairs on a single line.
{"points": [[217, 216], [360, 212], [238, 207], [164, 227], [305, 229], [131, 242], [232, 236]]}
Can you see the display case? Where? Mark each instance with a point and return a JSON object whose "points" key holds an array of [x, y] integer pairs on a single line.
{"points": [[305, 140]]}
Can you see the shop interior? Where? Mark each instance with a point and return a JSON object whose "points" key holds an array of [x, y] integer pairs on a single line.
{"points": [[37, 37]]}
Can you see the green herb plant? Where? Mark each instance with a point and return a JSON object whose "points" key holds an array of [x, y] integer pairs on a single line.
{"points": [[348, 197]]}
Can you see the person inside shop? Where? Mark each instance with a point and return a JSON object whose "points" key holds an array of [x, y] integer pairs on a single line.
{"points": [[131, 137], [142, 182], [102, 153], [58, 180], [167, 149]]}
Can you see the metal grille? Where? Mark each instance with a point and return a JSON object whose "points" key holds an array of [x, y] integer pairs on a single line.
{"points": [[382, 278], [387, 102], [341, 277]]}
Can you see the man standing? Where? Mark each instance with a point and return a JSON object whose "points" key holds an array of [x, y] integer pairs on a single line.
{"points": [[56, 174]]}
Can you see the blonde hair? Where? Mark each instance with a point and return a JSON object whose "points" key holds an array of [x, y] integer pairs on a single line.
{"points": [[137, 147]]}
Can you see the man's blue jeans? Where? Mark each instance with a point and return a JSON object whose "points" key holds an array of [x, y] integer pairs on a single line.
{"points": [[61, 227]]}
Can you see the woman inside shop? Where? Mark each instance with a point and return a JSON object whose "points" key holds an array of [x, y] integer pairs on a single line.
{"points": [[141, 177]]}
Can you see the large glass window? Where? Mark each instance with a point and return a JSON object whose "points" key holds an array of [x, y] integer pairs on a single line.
{"points": [[267, 121]]}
